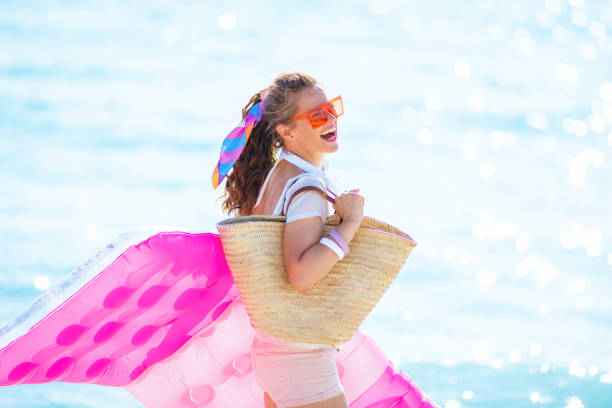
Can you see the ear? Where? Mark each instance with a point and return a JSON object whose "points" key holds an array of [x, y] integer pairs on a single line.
{"points": [[284, 131]]}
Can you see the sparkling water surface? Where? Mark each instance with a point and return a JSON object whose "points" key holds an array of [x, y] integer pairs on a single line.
{"points": [[482, 128]]}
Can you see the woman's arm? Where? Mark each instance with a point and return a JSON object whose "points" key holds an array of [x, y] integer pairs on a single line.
{"points": [[306, 260]]}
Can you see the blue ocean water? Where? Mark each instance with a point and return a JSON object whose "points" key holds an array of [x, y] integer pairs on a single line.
{"points": [[482, 128]]}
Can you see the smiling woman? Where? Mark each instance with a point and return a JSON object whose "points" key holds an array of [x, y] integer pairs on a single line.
{"points": [[294, 114], [163, 318]]}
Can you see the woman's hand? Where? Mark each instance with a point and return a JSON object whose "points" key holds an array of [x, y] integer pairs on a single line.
{"points": [[349, 206]]}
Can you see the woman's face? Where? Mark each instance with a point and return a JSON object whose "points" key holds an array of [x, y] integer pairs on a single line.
{"points": [[302, 139]]}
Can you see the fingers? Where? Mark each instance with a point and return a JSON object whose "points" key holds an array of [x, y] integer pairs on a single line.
{"points": [[354, 191]]}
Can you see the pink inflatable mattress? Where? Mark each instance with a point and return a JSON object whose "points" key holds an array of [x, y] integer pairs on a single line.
{"points": [[162, 318]]}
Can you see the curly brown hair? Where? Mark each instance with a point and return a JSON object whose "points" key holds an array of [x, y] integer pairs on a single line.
{"points": [[259, 155]]}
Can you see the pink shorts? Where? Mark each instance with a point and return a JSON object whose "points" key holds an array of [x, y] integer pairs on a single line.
{"points": [[295, 374]]}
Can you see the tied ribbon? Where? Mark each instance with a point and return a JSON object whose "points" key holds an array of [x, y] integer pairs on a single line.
{"points": [[234, 142]]}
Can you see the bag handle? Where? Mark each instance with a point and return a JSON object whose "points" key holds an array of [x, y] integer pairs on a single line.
{"points": [[327, 194]]}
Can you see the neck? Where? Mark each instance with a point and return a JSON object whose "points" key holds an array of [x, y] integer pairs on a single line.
{"points": [[314, 159]]}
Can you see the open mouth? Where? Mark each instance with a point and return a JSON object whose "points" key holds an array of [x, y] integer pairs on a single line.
{"points": [[331, 135]]}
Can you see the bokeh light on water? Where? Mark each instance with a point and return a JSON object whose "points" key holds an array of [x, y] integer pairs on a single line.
{"points": [[483, 128]]}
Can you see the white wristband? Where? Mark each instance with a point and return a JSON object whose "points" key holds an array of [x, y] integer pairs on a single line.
{"points": [[333, 246]]}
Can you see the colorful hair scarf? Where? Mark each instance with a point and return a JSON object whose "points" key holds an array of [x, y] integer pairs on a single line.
{"points": [[236, 140]]}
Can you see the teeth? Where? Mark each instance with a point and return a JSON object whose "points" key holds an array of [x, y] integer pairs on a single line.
{"points": [[330, 131]]}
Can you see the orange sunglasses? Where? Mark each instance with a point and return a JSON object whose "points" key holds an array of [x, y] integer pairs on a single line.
{"points": [[317, 116]]}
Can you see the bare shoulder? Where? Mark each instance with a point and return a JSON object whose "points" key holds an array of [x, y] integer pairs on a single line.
{"points": [[282, 174]]}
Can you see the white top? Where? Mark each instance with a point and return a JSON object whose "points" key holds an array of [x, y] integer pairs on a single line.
{"points": [[307, 204]]}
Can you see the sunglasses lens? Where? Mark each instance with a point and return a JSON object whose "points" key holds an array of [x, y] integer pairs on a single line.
{"points": [[336, 107], [318, 118]]}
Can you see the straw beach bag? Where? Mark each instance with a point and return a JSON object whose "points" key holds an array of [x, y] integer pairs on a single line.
{"points": [[332, 310]]}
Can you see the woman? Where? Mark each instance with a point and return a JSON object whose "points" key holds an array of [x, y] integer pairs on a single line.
{"points": [[138, 322], [297, 117]]}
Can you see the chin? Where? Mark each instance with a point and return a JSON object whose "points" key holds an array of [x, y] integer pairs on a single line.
{"points": [[331, 147]]}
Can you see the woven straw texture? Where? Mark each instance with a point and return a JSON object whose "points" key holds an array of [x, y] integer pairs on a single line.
{"points": [[331, 311]]}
